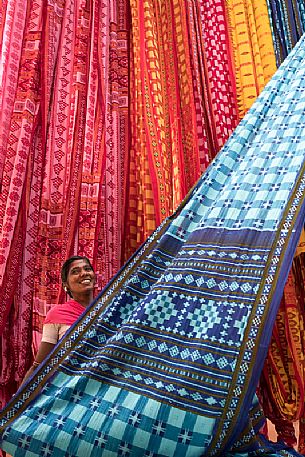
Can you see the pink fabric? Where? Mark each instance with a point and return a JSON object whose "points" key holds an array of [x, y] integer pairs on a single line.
{"points": [[64, 145], [66, 313]]}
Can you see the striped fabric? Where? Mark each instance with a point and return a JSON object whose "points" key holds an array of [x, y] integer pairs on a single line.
{"points": [[287, 18], [252, 49], [166, 361]]}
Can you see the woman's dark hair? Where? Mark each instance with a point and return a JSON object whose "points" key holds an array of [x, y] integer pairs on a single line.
{"points": [[66, 266]]}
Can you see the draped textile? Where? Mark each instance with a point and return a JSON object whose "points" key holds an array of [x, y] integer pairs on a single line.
{"points": [[66, 313], [256, 44], [282, 381], [252, 49], [79, 84], [63, 146], [109, 113], [182, 107], [287, 19], [167, 359], [211, 53], [282, 384]]}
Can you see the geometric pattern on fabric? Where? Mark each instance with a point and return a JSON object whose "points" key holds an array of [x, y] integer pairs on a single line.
{"points": [[174, 345], [186, 323], [253, 194], [139, 423]]}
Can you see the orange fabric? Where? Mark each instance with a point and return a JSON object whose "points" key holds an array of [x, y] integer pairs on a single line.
{"points": [[282, 385], [253, 50], [301, 246], [163, 157], [182, 105]]}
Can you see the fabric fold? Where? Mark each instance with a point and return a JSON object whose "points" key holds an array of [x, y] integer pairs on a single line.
{"points": [[166, 361]]}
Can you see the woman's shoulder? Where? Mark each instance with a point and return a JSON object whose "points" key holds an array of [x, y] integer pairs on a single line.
{"points": [[54, 311], [67, 313]]}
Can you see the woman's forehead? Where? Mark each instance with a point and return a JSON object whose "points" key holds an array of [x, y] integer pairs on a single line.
{"points": [[79, 263]]}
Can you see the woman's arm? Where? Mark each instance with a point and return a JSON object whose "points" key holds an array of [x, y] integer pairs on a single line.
{"points": [[43, 351], [50, 335]]}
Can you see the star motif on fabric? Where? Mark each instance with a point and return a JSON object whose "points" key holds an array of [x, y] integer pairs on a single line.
{"points": [[113, 411], [60, 422], [124, 448], [79, 431], [24, 441], [159, 428], [134, 418], [101, 439], [185, 436], [47, 450], [95, 403]]}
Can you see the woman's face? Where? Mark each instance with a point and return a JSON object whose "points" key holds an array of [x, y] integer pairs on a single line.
{"points": [[81, 278]]}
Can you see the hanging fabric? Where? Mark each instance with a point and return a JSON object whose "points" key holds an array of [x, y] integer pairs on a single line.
{"points": [[253, 52], [166, 361], [282, 382], [287, 18], [64, 143], [182, 105]]}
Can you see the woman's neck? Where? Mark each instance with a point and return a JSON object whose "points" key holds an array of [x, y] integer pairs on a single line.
{"points": [[84, 300]]}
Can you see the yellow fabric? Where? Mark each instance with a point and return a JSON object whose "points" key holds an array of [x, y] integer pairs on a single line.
{"points": [[163, 157], [252, 47]]}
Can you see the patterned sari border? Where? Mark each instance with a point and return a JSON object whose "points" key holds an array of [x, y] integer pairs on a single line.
{"points": [[245, 374]]}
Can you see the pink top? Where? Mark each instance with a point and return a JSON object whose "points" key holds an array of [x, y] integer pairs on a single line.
{"points": [[67, 313], [59, 319]]}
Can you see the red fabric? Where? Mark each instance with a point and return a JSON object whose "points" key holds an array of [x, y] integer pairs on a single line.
{"points": [[66, 313]]}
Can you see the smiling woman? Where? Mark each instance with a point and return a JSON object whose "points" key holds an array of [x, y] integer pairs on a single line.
{"points": [[78, 280]]}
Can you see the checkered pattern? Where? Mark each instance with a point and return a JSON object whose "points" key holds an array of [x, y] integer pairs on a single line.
{"points": [[104, 420], [268, 147]]}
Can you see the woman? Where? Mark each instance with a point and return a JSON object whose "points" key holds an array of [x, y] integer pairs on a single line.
{"points": [[78, 280]]}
